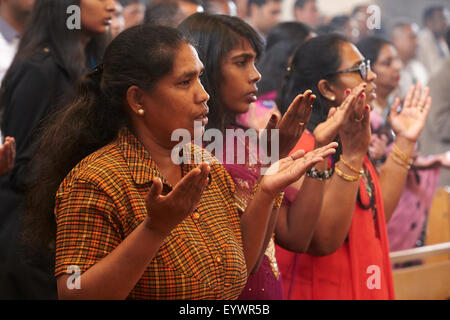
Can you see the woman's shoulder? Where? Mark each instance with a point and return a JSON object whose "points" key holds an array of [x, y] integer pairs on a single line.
{"points": [[102, 169], [40, 64]]}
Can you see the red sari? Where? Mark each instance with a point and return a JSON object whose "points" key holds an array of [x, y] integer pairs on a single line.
{"points": [[359, 269]]}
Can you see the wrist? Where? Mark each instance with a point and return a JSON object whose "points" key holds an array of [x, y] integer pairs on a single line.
{"points": [[155, 231]]}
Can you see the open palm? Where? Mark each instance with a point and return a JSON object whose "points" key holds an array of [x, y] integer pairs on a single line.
{"points": [[288, 170], [411, 120]]}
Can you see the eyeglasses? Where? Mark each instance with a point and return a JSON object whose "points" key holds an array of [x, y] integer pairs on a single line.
{"points": [[363, 68]]}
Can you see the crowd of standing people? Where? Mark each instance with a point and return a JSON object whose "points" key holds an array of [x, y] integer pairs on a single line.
{"points": [[88, 181]]}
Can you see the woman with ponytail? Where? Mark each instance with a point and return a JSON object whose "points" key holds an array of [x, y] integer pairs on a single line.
{"points": [[131, 221], [49, 60], [348, 257]]}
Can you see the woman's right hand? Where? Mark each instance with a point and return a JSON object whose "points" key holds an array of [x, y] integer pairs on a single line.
{"points": [[327, 131], [288, 170], [166, 212]]}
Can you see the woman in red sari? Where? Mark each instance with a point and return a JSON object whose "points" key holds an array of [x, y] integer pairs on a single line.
{"points": [[348, 257]]}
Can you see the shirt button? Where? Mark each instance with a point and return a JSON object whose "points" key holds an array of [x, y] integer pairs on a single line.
{"points": [[196, 215], [218, 259]]}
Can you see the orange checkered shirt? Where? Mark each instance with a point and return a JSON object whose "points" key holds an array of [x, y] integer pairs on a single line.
{"points": [[101, 201]]}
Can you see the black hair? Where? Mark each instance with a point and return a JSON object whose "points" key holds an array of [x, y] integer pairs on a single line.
{"points": [[164, 13], [214, 37], [371, 46], [312, 61], [282, 41], [291, 31], [301, 3], [47, 28], [428, 13], [139, 56]]}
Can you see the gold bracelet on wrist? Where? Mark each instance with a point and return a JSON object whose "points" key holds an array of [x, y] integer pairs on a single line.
{"points": [[396, 150], [348, 165], [345, 176], [276, 203], [400, 162]]}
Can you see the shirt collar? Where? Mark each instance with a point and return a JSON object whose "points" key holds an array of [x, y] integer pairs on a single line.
{"points": [[8, 32], [144, 169]]}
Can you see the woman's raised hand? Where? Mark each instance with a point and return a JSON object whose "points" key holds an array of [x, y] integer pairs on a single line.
{"points": [[411, 119], [165, 212], [288, 170], [327, 131], [355, 132], [294, 121]]}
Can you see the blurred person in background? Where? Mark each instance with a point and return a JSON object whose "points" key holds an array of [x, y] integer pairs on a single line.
{"points": [[117, 21], [263, 15], [49, 60], [406, 226], [359, 16], [433, 48], [189, 7], [241, 8], [170, 13], [165, 14], [404, 38], [13, 17], [343, 24], [133, 12], [227, 7], [306, 11], [435, 138]]}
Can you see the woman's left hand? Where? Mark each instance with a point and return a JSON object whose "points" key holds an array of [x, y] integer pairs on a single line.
{"points": [[411, 120]]}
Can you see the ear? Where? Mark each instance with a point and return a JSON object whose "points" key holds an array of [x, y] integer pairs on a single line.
{"points": [[135, 98], [327, 90]]}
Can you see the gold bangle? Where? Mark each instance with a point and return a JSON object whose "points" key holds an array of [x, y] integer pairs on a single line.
{"points": [[400, 162], [401, 154], [351, 167], [276, 203], [346, 177]]}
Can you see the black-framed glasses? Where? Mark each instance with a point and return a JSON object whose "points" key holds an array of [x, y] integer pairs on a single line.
{"points": [[363, 68]]}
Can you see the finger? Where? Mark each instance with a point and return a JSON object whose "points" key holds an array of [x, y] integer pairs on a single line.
{"points": [[426, 109], [331, 112], [409, 96], [272, 124], [298, 154], [155, 190], [416, 96], [393, 111], [423, 98]]}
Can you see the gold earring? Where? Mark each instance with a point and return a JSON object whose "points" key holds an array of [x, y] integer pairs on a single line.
{"points": [[333, 98], [141, 112]]}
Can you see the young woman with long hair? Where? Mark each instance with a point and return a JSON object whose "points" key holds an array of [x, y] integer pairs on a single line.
{"points": [[229, 47]]}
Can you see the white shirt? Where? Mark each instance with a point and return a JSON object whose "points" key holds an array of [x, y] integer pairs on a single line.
{"points": [[9, 42]]}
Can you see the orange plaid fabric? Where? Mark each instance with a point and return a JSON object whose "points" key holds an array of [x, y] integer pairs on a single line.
{"points": [[101, 202]]}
